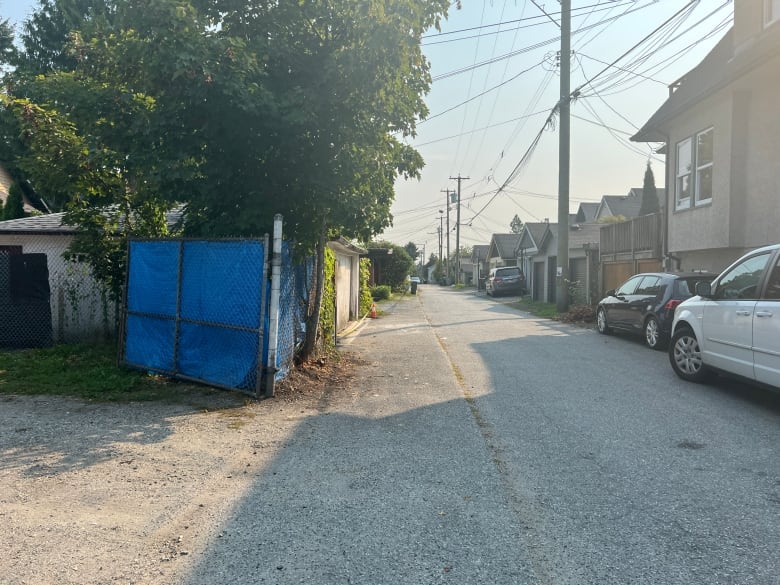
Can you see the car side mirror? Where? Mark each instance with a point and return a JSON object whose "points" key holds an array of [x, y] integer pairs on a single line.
{"points": [[610, 292], [704, 289]]}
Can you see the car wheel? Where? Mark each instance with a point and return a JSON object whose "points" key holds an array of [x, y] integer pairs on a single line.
{"points": [[601, 322], [685, 356], [653, 336]]}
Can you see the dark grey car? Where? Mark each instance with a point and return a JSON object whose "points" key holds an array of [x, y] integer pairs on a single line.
{"points": [[645, 304], [505, 280]]}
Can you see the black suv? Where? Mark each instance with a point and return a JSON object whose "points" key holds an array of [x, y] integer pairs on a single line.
{"points": [[506, 280], [645, 304]]}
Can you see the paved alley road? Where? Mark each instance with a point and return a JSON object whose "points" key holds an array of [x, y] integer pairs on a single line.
{"points": [[620, 472], [477, 445]]}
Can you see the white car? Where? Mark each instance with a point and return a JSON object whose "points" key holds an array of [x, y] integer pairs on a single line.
{"points": [[733, 325]]}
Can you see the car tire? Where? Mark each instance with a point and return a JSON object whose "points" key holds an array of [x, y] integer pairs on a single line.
{"points": [[653, 337], [685, 356], [601, 322]]}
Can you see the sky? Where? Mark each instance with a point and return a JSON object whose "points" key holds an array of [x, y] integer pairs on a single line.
{"points": [[495, 82]]}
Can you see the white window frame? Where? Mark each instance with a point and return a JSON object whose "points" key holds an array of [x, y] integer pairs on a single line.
{"points": [[681, 172], [701, 167], [771, 11], [689, 168]]}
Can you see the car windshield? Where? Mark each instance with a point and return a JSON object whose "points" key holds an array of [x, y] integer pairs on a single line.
{"points": [[507, 272]]}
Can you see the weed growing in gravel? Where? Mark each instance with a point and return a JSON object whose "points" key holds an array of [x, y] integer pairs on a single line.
{"points": [[81, 371]]}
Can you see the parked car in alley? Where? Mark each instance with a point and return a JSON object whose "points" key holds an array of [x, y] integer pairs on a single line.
{"points": [[733, 325], [505, 280], [645, 303]]}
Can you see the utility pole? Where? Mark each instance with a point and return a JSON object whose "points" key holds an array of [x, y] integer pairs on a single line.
{"points": [[457, 230], [564, 150], [447, 192], [441, 232]]}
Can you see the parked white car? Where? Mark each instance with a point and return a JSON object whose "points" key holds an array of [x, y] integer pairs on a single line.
{"points": [[733, 325]]}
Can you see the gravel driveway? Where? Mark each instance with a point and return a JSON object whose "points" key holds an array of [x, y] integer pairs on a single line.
{"points": [[107, 493]]}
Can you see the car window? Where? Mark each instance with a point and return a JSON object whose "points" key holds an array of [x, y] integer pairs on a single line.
{"points": [[503, 273], [773, 286], [741, 282], [686, 287], [650, 285], [628, 287]]}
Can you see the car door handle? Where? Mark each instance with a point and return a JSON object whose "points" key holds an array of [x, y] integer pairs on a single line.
{"points": [[744, 313], [763, 313]]}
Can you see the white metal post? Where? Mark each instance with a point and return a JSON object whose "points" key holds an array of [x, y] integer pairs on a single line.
{"points": [[273, 314]]}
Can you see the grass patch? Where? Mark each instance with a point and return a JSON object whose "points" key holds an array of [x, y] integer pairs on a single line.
{"points": [[82, 371], [539, 309]]}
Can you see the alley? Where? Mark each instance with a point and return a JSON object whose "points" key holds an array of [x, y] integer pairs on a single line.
{"points": [[480, 445], [624, 473]]}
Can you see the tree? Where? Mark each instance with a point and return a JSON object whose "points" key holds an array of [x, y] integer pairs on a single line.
{"points": [[14, 205], [649, 193], [412, 250], [238, 110], [516, 225]]}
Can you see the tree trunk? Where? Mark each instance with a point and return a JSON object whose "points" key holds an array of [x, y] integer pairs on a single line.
{"points": [[313, 319]]}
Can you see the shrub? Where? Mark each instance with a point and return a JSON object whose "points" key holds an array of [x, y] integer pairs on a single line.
{"points": [[365, 292], [381, 292]]}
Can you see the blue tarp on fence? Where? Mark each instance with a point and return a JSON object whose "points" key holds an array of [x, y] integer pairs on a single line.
{"points": [[199, 309]]}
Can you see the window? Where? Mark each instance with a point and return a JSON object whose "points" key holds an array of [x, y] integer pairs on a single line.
{"points": [[694, 170], [650, 286], [683, 190], [741, 282], [773, 286], [703, 182], [771, 11], [629, 286]]}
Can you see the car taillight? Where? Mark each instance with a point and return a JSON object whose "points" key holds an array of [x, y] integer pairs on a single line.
{"points": [[672, 304]]}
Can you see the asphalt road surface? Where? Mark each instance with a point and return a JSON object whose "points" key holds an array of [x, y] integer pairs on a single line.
{"points": [[479, 445], [622, 472]]}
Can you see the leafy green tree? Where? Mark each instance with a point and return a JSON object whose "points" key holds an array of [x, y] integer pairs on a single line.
{"points": [[649, 194], [238, 110], [516, 225], [397, 266], [14, 205]]}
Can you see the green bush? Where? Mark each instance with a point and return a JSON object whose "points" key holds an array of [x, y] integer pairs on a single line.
{"points": [[366, 300], [381, 292], [328, 309]]}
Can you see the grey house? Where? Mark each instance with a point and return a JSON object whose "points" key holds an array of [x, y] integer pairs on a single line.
{"points": [[501, 251], [537, 252], [721, 130]]}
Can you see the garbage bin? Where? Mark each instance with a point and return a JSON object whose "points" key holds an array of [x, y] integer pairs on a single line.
{"points": [[414, 288]]}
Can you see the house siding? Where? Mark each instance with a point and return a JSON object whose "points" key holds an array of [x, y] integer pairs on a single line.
{"points": [[744, 213], [704, 226], [762, 172]]}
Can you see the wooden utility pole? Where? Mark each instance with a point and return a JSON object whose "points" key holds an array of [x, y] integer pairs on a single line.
{"points": [[457, 230], [447, 192], [564, 149], [441, 232]]}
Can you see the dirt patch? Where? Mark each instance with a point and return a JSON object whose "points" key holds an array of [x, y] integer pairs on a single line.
{"points": [[125, 493]]}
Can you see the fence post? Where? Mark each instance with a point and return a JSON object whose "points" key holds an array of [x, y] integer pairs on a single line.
{"points": [[261, 332], [273, 315]]}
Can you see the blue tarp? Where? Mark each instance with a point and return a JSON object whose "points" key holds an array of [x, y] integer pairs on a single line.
{"points": [[194, 310]]}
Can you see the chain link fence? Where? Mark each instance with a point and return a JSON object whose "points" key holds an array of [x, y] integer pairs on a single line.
{"points": [[45, 298], [297, 282]]}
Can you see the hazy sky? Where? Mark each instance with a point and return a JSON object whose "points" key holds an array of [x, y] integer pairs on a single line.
{"points": [[495, 83], [512, 90]]}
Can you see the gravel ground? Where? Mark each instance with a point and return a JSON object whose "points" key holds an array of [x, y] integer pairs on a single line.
{"points": [[105, 493]]}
